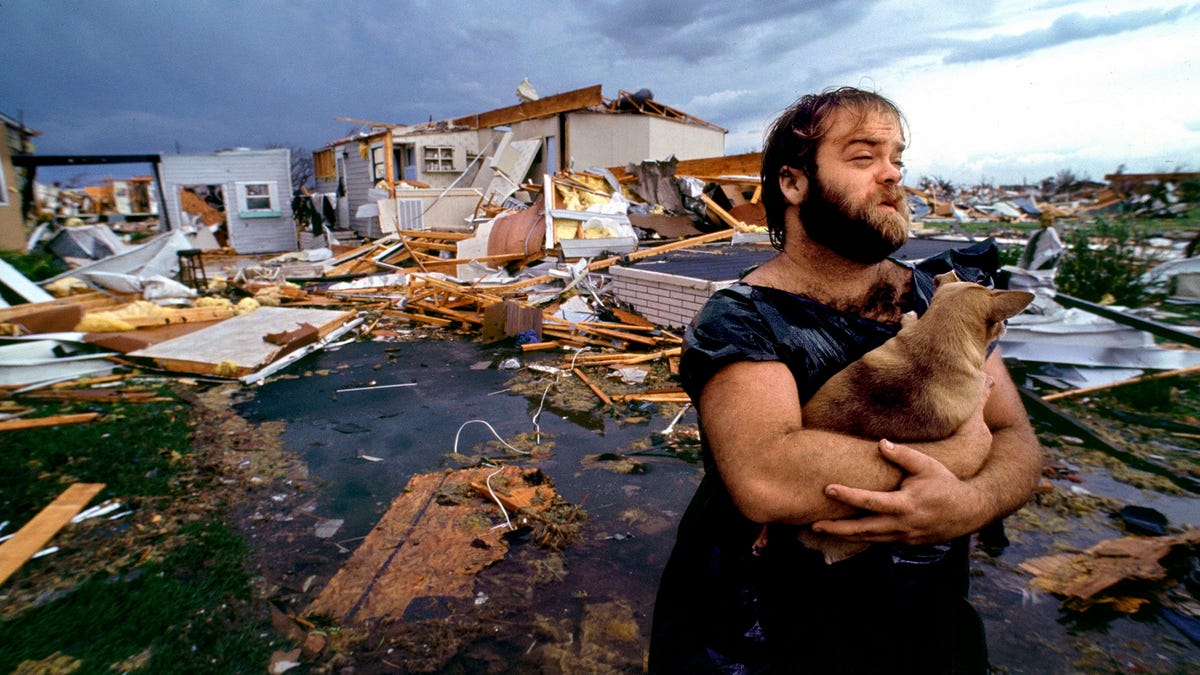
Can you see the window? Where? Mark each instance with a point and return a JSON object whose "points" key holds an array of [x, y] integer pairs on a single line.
{"points": [[258, 199], [378, 163], [438, 158], [3, 188]]}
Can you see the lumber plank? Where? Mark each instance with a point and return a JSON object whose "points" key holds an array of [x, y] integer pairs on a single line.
{"points": [[590, 385], [546, 106], [420, 318], [724, 215], [1112, 385], [33, 536], [189, 315], [51, 421]]}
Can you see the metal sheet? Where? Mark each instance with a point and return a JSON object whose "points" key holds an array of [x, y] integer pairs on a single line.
{"points": [[1112, 357]]}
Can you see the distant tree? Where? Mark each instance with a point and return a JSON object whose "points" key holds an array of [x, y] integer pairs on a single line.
{"points": [[941, 188], [1064, 181], [302, 165]]}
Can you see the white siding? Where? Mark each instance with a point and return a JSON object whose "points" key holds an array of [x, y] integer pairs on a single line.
{"points": [[227, 169], [599, 139]]}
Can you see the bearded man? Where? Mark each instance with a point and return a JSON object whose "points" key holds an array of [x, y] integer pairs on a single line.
{"points": [[758, 350]]}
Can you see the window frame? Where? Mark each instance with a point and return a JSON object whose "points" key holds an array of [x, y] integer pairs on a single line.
{"points": [[271, 210]]}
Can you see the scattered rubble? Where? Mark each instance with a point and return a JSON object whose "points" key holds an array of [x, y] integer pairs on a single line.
{"points": [[540, 264]]}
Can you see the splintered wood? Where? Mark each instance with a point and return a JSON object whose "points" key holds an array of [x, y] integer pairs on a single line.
{"points": [[432, 541], [1107, 572]]}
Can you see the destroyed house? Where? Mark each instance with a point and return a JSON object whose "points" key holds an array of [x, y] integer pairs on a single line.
{"points": [[250, 190], [17, 141], [483, 157]]}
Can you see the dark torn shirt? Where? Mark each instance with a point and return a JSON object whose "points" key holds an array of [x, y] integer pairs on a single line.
{"points": [[721, 608]]}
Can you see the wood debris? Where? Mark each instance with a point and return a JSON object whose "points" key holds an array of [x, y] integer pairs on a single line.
{"points": [[435, 537], [33, 536], [1113, 572]]}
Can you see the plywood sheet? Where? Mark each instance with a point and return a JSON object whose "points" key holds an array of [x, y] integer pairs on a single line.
{"points": [[424, 546], [236, 347]]}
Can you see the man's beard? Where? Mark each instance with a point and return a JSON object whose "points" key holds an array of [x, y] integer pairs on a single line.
{"points": [[862, 233]]}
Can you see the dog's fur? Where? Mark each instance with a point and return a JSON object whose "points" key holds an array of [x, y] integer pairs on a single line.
{"points": [[920, 385]]}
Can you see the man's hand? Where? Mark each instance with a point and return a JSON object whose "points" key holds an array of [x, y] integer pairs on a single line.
{"points": [[931, 505]]}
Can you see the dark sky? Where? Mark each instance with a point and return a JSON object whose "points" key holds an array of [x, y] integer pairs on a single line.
{"points": [[1000, 87]]}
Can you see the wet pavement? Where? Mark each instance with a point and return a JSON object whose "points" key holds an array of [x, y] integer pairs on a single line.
{"points": [[631, 516]]}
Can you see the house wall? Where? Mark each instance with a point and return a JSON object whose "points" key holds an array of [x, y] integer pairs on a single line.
{"points": [[12, 229], [270, 234], [460, 143], [685, 141], [599, 139], [357, 177]]}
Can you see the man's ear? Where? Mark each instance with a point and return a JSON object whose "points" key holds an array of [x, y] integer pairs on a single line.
{"points": [[794, 184]]}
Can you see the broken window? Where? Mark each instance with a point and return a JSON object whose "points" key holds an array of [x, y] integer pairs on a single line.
{"points": [[258, 199]]}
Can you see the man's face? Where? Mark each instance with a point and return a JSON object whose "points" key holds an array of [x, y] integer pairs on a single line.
{"points": [[854, 205]]}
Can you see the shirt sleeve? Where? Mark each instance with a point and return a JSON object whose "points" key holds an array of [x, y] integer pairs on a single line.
{"points": [[729, 328]]}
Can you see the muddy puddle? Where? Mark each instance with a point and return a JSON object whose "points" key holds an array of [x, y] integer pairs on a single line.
{"points": [[370, 415]]}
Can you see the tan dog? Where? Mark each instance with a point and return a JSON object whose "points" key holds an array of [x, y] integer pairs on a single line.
{"points": [[920, 385]]}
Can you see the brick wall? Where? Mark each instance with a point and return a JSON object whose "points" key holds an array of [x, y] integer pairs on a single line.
{"points": [[666, 299]]}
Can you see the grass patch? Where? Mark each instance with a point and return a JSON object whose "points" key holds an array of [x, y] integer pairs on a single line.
{"points": [[135, 449], [183, 613], [165, 589]]}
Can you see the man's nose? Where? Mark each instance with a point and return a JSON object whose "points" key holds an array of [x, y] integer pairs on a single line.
{"points": [[891, 173]]}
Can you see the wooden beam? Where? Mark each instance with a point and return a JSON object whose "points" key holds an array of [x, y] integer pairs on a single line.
{"points": [[543, 107], [52, 421], [33, 536], [724, 215], [1112, 385], [746, 164], [596, 390]]}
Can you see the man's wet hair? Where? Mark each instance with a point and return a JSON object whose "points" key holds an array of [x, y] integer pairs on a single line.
{"points": [[794, 136]]}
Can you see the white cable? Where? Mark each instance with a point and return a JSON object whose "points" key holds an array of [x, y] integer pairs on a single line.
{"points": [[459, 432], [542, 403], [671, 426], [488, 482]]}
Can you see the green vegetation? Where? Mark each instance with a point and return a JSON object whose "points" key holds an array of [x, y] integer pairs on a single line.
{"points": [[35, 266], [163, 589], [1104, 263]]}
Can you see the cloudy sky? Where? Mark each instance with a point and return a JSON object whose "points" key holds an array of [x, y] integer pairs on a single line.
{"points": [[1000, 91]]}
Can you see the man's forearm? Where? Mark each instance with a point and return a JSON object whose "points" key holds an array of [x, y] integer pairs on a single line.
{"points": [[1009, 474]]}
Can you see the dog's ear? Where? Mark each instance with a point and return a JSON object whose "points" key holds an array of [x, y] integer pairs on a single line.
{"points": [[945, 278], [1006, 304]]}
